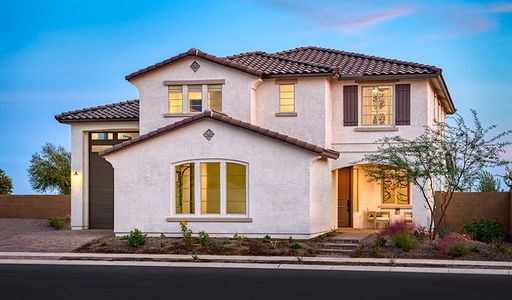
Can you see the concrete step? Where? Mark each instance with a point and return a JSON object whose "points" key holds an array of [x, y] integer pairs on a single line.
{"points": [[334, 252], [340, 246], [344, 241]]}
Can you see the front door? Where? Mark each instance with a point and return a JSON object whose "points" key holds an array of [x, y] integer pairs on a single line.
{"points": [[344, 197]]}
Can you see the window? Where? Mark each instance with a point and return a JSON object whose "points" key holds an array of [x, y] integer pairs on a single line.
{"points": [[222, 190], [195, 98], [236, 188], [97, 136], [185, 189], [175, 99], [394, 192], [215, 97], [377, 106], [99, 148], [210, 188], [287, 98]]}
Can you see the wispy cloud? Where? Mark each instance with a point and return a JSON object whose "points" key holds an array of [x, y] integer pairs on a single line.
{"points": [[348, 17], [502, 8]]}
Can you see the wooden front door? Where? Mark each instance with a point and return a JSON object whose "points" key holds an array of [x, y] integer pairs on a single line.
{"points": [[344, 197]]}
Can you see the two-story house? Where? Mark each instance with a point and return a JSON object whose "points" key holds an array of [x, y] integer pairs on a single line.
{"points": [[255, 143]]}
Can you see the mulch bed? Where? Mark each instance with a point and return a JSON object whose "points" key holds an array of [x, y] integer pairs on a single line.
{"points": [[426, 249], [217, 246]]}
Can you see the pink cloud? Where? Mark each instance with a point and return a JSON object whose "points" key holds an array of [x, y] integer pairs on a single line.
{"points": [[357, 24]]}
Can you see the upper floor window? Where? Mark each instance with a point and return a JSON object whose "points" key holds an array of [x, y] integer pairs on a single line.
{"points": [[195, 98], [175, 99], [287, 98], [215, 97], [377, 107], [221, 188]]}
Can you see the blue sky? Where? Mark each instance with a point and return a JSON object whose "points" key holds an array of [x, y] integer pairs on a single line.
{"points": [[61, 55]]}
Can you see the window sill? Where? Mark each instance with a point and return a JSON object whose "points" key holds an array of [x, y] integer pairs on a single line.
{"points": [[211, 219], [180, 115], [286, 114], [395, 206], [375, 128]]}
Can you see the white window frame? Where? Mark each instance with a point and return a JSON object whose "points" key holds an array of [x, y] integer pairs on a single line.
{"points": [[197, 189], [393, 97]]}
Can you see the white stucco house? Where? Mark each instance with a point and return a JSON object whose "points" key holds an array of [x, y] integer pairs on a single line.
{"points": [[255, 143]]}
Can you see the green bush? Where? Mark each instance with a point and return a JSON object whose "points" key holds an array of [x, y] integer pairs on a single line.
{"points": [[136, 238], [458, 250], [204, 239], [57, 223], [186, 232], [483, 229], [266, 239], [404, 241], [443, 232], [296, 246]]}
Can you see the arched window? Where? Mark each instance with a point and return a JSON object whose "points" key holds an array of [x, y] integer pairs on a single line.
{"points": [[210, 188]]}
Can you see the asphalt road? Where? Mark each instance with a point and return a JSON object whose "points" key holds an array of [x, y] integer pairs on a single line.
{"points": [[121, 282]]}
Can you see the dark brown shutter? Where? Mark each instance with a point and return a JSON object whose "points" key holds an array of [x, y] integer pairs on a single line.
{"points": [[350, 105], [403, 104]]}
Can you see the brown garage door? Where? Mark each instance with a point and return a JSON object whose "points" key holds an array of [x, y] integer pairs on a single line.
{"points": [[101, 178]]}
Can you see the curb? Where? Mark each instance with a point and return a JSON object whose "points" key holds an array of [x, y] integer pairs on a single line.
{"points": [[258, 266], [277, 262]]}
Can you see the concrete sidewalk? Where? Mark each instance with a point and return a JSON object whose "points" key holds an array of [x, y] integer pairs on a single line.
{"points": [[267, 262]]}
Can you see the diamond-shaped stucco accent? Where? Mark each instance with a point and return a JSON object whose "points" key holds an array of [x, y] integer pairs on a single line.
{"points": [[195, 66], [208, 134]]}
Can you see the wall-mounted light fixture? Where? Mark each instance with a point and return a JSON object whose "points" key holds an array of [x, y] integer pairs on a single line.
{"points": [[75, 174]]}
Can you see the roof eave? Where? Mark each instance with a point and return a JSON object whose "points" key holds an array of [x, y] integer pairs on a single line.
{"points": [[96, 120]]}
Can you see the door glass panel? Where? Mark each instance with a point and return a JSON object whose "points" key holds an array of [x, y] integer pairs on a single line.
{"points": [[99, 148]]}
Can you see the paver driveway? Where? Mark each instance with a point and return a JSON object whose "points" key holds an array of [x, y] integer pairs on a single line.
{"points": [[35, 235]]}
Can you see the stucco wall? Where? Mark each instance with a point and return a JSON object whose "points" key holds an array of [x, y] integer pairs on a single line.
{"points": [[153, 94], [279, 181], [310, 99], [80, 164], [323, 201]]}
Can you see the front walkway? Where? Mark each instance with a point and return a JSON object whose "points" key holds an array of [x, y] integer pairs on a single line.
{"points": [[35, 235]]}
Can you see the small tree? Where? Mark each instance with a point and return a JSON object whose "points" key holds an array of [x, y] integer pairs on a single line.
{"points": [[50, 170], [5, 183], [447, 157], [507, 178], [488, 183]]}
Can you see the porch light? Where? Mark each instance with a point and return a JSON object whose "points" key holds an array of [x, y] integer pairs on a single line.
{"points": [[75, 174]]}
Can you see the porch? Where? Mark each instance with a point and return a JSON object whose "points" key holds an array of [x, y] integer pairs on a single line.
{"points": [[365, 204]]}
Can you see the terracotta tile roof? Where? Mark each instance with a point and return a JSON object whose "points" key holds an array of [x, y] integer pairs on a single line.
{"points": [[326, 153], [272, 64], [120, 111], [355, 64], [197, 53]]}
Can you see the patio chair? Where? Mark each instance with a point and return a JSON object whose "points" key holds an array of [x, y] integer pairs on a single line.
{"points": [[377, 217]]}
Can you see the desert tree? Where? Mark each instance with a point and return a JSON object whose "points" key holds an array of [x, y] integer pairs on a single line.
{"points": [[5, 183], [50, 170], [487, 182], [446, 157]]}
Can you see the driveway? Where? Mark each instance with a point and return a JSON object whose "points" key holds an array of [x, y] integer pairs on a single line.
{"points": [[35, 235]]}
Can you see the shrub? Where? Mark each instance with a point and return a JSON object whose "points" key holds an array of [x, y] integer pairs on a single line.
{"points": [[443, 232], [404, 241], [57, 223], [451, 244], [296, 246], [380, 241], [204, 239], [290, 240], [458, 250], [186, 232], [397, 228], [135, 238], [266, 239], [483, 229]]}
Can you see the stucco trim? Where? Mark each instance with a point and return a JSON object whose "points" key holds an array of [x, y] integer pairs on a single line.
{"points": [[199, 81], [286, 114], [375, 128], [210, 219], [181, 115]]}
